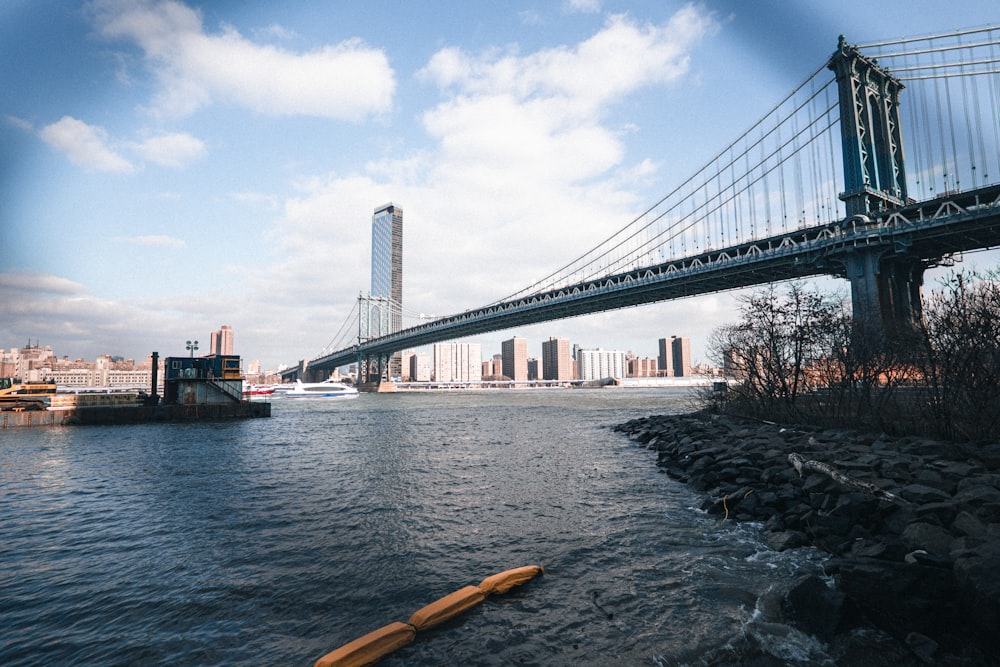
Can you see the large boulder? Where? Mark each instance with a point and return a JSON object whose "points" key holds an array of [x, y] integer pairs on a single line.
{"points": [[814, 607], [977, 573]]}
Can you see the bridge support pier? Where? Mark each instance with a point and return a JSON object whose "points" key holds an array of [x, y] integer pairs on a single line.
{"points": [[373, 373], [886, 292]]}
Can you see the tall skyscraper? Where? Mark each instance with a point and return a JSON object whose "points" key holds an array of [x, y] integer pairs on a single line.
{"points": [[387, 269], [221, 341], [682, 357], [665, 359], [515, 358], [675, 357], [557, 364]]}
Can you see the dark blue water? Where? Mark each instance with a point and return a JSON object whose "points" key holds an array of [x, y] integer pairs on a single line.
{"points": [[274, 541]]}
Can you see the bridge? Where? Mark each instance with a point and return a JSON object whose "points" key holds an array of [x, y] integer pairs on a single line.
{"points": [[767, 207]]}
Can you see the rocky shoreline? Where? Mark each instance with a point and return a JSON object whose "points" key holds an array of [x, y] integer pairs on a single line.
{"points": [[911, 526]]}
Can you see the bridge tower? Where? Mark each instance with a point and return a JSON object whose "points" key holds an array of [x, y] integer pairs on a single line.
{"points": [[885, 287], [377, 316]]}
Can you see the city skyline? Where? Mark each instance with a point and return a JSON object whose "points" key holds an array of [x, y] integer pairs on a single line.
{"points": [[460, 356], [171, 165]]}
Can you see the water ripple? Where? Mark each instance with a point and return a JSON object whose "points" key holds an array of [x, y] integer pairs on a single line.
{"points": [[275, 541]]}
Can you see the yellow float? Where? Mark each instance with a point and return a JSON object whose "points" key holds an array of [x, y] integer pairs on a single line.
{"points": [[372, 647], [447, 607], [504, 581]]}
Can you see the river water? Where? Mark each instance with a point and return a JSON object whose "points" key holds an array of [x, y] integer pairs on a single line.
{"points": [[274, 541]]}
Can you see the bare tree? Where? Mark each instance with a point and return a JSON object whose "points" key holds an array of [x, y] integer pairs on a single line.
{"points": [[962, 354]]}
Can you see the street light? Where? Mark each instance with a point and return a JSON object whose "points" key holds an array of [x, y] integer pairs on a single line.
{"points": [[192, 346]]}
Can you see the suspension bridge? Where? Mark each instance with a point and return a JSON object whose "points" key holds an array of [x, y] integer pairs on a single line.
{"points": [[819, 185]]}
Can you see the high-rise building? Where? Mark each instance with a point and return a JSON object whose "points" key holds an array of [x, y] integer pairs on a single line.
{"points": [[387, 270], [221, 341], [682, 356], [675, 357], [420, 367], [515, 358], [557, 364], [600, 364], [665, 360], [458, 362]]}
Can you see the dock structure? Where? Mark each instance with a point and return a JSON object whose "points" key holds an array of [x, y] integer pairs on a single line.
{"points": [[134, 414], [194, 389]]}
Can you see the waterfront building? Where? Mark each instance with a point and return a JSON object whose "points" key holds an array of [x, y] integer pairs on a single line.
{"points": [[420, 367], [557, 363], [493, 368], [644, 367], [515, 358], [27, 363], [387, 270], [458, 362], [534, 369], [221, 341], [665, 359], [675, 357], [35, 364], [442, 362], [682, 357], [600, 364]]}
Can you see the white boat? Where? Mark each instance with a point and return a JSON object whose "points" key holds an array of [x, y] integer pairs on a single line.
{"points": [[328, 388], [257, 391]]}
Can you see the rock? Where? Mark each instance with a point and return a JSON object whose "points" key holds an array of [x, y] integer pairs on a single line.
{"points": [[922, 646], [814, 607], [917, 577], [933, 539], [869, 647], [976, 573], [922, 494], [900, 598], [967, 524], [786, 539]]}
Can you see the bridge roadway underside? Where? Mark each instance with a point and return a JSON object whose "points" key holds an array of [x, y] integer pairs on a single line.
{"points": [[923, 233]]}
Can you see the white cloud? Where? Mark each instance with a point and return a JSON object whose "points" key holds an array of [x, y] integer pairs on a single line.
{"points": [[20, 123], [618, 60], [348, 81], [78, 324], [581, 6], [525, 173], [171, 150], [85, 145], [42, 283]]}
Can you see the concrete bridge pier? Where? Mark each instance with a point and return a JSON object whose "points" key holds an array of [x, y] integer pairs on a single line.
{"points": [[373, 374], [885, 291]]}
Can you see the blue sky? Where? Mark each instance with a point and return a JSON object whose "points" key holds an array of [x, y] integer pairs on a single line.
{"points": [[170, 167]]}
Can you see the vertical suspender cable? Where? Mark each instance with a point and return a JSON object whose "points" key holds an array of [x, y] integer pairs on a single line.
{"points": [[940, 122], [955, 177], [968, 118], [994, 102], [767, 191]]}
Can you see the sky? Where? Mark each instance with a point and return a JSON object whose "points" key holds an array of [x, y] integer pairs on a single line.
{"points": [[168, 167]]}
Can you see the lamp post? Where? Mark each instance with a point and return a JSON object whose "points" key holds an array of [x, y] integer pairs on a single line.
{"points": [[192, 346]]}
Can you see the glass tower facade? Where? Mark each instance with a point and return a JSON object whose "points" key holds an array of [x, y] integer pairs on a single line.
{"points": [[387, 270]]}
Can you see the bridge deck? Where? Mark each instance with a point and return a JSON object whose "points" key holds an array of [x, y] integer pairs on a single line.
{"points": [[930, 230]]}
